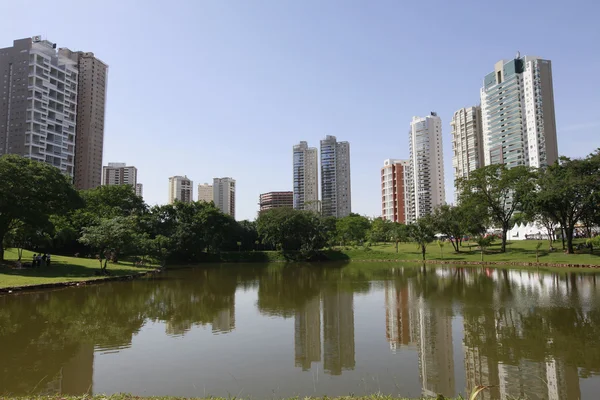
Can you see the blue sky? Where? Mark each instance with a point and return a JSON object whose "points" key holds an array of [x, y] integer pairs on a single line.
{"points": [[226, 88]]}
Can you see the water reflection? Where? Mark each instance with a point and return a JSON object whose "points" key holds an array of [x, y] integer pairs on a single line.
{"points": [[523, 333]]}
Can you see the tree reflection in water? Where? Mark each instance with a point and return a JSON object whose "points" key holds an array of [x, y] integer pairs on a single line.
{"points": [[525, 333]]}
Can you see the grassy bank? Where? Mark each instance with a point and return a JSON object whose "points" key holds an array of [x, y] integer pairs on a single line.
{"points": [[517, 252], [130, 397], [62, 269]]}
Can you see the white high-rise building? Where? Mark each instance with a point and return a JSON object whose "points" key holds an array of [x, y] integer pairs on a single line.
{"points": [[306, 177], [335, 178], [119, 174], [427, 166], [224, 195], [181, 188], [205, 192], [139, 190], [467, 142], [38, 98], [517, 109]]}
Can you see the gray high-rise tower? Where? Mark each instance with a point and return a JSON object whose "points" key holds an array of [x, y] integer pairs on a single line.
{"points": [[306, 170], [335, 178], [517, 110], [38, 94]]}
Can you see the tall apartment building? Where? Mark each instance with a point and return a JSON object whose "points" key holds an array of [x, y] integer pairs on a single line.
{"points": [[139, 190], [517, 109], [467, 142], [205, 192], [335, 178], [180, 189], [224, 195], [306, 176], [395, 190], [427, 166], [91, 102], [119, 174], [38, 98], [271, 200]]}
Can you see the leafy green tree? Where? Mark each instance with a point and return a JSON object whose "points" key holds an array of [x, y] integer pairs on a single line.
{"points": [[380, 230], [398, 233], [422, 232], [455, 222], [30, 191], [500, 190], [108, 237], [291, 229], [568, 190], [26, 236], [484, 242], [353, 228]]}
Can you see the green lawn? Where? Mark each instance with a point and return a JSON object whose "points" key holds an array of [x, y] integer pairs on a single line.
{"points": [[62, 269], [130, 397], [517, 251]]}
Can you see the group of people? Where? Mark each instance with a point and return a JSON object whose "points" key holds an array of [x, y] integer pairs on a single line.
{"points": [[40, 260]]}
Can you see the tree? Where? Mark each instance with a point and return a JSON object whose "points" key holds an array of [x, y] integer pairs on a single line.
{"points": [[441, 244], [422, 233], [500, 190], [352, 228], [567, 190], [288, 229], [30, 191], [484, 242], [457, 221], [398, 233], [380, 230], [108, 237]]}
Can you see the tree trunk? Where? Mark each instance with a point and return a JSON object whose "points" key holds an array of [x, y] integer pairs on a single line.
{"points": [[1, 251], [569, 234], [423, 252], [396, 247], [504, 233], [455, 245], [482, 254], [562, 234]]}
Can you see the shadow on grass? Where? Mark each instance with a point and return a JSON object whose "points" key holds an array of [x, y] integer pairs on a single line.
{"points": [[65, 270]]}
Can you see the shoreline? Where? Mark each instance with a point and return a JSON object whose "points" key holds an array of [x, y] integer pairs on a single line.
{"points": [[54, 285]]}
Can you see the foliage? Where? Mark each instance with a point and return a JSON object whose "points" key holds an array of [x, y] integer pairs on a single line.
{"points": [[455, 222], [352, 228], [109, 238], [498, 192], [567, 191], [30, 191], [484, 242], [291, 229], [422, 233], [380, 230]]}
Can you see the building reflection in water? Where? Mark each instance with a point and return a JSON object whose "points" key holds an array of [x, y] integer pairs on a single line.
{"points": [[224, 321], [307, 334], [338, 331], [507, 346]]}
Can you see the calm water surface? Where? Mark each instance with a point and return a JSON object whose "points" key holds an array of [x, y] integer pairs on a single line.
{"points": [[271, 331]]}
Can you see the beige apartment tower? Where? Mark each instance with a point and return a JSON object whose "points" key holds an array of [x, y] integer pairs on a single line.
{"points": [[224, 195], [91, 103], [205, 192], [467, 142], [180, 189], [119, 174]]}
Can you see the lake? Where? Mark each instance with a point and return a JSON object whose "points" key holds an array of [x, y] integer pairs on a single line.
{"points": [[271, 331]]}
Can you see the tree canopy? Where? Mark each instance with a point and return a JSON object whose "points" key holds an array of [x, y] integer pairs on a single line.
{"points": [[30, 191]]}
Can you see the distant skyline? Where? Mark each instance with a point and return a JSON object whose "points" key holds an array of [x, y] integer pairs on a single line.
{"points": [[226, 88]]}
